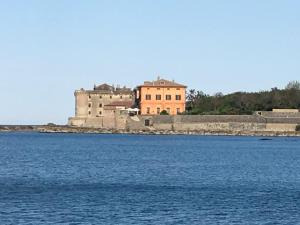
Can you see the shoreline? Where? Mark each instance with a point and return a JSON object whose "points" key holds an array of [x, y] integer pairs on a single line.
{"points": [[64, 129]]}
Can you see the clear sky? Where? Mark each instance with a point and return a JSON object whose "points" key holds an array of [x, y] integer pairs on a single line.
{"points": [[50, 48]]}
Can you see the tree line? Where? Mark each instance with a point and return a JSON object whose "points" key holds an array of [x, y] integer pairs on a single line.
{"points": [[243, 103]]}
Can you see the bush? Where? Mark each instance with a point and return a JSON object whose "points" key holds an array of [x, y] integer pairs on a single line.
{"points": [[164, 112], [298, 127]]}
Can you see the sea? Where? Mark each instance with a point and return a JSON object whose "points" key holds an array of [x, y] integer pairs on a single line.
{"points": [[148, 179]]}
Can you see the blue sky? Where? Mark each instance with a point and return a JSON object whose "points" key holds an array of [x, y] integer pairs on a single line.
{"points": [[50, 48]]}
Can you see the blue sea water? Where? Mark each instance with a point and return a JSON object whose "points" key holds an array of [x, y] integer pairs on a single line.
{"points": [[131, 179]]}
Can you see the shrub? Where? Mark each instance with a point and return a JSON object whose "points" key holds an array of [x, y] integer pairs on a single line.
{"points": [[164, 112]]}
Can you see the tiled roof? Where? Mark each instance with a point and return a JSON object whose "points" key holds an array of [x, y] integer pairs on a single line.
{"points": [[161, 83], [126, 104]]}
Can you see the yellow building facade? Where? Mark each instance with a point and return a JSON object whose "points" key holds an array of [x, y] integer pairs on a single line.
{"points": [[153, 97]]}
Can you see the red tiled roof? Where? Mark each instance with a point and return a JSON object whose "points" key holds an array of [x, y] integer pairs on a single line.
{"points": [[126, 104]]}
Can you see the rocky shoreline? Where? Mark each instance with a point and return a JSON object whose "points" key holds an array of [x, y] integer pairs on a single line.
{"points": [[85, 130]]}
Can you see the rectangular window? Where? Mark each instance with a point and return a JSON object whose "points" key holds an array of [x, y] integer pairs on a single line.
{"points": [[148, 97], [147, 123], [158, 110], [158, 97], [100, 105], [110, 97], [121, 97], [168, 97], [100, 96], [90, 105], [178, 97], [168, 110], [100, 112], [178, 110], [89, 112], [148, 110], [89, 96]]}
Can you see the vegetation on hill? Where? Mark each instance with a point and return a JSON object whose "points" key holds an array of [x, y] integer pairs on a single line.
{"points": [[240, 103]]}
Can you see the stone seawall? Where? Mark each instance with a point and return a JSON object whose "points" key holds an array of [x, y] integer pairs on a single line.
{"points": [[149, 131], [181, 123], [197, 123]]}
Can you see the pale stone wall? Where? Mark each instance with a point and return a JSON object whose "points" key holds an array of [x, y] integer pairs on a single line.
{"points": [[97, 101], [210, 123], [77, 121], [286, 110], [96, 122], [81, 104], [280, 127], [279, 113], [112, 119]]}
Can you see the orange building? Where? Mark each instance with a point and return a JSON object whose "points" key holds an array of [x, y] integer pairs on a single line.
{"points": [[155, 96]]}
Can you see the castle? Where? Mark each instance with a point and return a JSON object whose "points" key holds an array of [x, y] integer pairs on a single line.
{"points": [[141, 109], [104, 105]]}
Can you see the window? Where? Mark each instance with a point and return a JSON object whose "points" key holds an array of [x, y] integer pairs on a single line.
{"points": [[178, 97], [158, 110], [100, 105], [148, 97], [100, 96], [178, 110], [89, 112], [100, 112], [168, 97], [89, 96], [147, 123], [168, 110], [121, 97], [148, 110], [158, 97], [110, 97], [90, 105]]}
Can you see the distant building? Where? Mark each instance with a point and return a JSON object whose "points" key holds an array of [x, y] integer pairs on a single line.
{"points": [[155, 96], [100, 104]]}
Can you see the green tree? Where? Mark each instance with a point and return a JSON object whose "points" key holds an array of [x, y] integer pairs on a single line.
{"points": [[293, 85]]}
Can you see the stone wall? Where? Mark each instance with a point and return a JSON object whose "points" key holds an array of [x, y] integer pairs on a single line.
{"points": [[113, 119], [91, 103], [211, 123], [269, 114], [120, 121]]}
